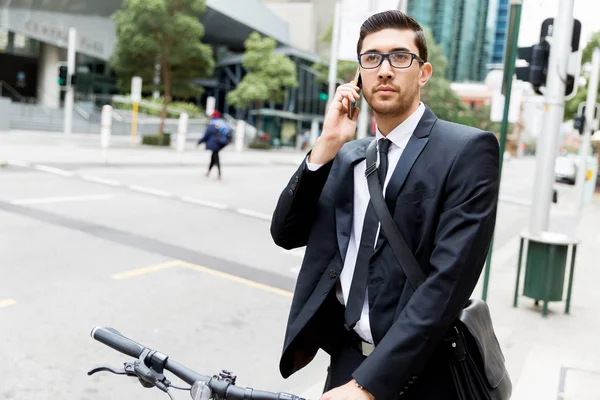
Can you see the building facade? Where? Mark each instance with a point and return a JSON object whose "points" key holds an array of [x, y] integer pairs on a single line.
{"points": [[464, 29], [34, 39], [501, 32]]}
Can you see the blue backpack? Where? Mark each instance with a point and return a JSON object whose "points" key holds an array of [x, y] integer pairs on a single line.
{"points": [[224, 133]]}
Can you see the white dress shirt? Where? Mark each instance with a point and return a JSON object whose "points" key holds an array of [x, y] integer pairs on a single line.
{"points": [[399, 138]]}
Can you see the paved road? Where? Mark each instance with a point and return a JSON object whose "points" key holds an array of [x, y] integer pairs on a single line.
{"points": [[148, 245]]}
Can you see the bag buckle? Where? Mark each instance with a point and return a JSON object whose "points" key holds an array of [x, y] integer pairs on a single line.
{"points": [[366, 348], [370, 169]]}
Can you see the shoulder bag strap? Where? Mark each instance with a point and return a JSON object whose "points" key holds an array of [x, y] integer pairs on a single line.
{"points": [[405, 258]]}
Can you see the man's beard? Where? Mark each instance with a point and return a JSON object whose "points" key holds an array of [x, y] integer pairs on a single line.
{"points": [[399, 104]]}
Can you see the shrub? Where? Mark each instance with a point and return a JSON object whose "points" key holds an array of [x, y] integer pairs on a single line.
{"points": [[157, 140], [259, 145]]}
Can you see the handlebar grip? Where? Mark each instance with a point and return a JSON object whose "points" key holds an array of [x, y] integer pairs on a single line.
{"points": [[113, 338], [239, 393]]}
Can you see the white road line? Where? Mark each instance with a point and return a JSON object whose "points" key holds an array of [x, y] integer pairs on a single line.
{"points": [[103, 181], [151, 191], [515, 200], [65, 199], [203, 202], [53, 170], [255, 214]]}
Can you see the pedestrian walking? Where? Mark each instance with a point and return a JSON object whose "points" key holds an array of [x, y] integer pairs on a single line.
{"points": [[217, 135]]}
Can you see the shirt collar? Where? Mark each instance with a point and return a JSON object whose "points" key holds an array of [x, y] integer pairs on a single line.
{"points": [[401, 134]]}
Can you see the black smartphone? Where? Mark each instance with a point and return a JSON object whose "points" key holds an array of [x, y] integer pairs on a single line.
{"points": [[358, 82]]}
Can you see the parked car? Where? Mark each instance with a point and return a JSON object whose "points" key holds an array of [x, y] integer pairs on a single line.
{"points": [[565, 170]]}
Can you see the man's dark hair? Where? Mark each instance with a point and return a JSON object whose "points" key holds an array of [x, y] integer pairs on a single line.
{"points": [[393, 19]]}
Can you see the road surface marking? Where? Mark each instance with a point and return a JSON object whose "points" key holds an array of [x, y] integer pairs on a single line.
{"points": [[7, 303], [203, 202], [145, 270], [103, 181], [154, 192], [237, 279], [255, 214], [47, 200], [183, 264], [55, 171]]}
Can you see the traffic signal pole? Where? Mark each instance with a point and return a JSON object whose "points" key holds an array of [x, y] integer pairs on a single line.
{"points": [[554, 109], [70, 95], [509, 70], [586, 140]]}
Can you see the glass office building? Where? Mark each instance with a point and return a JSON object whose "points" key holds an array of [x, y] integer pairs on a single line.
{"points": [[464, 29], [501, 32]]}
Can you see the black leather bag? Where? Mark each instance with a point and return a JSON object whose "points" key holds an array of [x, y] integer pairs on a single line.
{"points": [[476, 359]]}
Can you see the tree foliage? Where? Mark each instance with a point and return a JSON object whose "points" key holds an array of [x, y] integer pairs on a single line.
{"points": [[268, 76], [166, 32], [437, 93], [572, 105]]}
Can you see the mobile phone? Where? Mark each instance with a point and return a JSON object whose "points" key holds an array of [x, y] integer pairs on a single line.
{"points": [[358, 82]]}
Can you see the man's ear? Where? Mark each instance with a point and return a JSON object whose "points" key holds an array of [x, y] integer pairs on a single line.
{"points": [[425, 73]]}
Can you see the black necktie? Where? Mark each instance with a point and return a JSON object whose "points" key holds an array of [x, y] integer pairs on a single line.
{"points": [[358, 288]]}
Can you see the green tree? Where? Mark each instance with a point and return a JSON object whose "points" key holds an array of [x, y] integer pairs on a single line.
{"points": [[437, 93], [268, 76], [167, 32], [572, 105], [345, 69]]}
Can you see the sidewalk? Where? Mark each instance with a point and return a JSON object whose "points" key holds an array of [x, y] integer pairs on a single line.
{"points": [[52, 148], [556, 357]]}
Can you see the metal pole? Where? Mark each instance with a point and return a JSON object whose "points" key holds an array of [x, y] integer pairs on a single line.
{"points": [[70, 95], [547, 143], [586, 141], [510, 58], [105, 131], [403, 6], [335, 44], [363, 119]]}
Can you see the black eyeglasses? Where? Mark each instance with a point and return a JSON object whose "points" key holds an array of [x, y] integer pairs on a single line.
{"points": [[397, 59]]}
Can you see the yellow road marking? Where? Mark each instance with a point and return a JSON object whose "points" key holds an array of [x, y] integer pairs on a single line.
{"points": [[7, 303], [237, 279], [200, 268], [146, 270]]}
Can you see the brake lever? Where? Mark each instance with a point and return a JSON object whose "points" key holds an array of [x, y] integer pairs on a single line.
{"points": [[128, 369]]}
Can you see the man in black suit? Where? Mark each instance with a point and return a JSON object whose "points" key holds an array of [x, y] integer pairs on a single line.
{"points": [[440, 182]]}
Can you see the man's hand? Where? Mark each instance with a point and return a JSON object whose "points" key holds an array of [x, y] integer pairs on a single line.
{"points": [[337, 127], [348, 392]]}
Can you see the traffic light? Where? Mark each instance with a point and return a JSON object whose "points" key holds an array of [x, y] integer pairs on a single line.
{"points": [[579, 123], [537, 70], [62, 75], [538, 57]]}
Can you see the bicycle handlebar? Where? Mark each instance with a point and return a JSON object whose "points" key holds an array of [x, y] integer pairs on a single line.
{"points": [[223, 388]]}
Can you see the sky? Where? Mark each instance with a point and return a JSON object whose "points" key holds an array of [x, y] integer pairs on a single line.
{"points": [[534, 12]]}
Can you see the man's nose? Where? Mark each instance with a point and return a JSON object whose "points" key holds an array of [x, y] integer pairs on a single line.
{"points": [[386, 71]]}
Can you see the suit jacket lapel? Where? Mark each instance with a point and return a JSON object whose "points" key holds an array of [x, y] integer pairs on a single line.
{"points": [[409, 156], [344, 197]]}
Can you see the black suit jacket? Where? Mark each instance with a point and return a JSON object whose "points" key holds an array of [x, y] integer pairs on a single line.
{"points": [[443, 197]]}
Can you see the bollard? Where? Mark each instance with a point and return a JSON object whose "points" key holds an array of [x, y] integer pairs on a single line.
{"points": [[105, 130], [182, 133], [240, 132]]}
